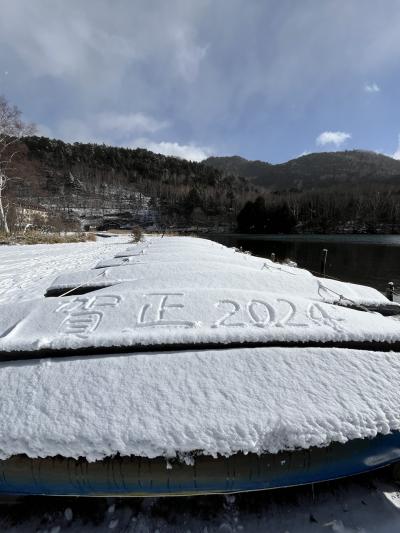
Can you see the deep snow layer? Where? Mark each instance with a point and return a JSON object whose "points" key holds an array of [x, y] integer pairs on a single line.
{"points": [[151, 404], [194, 291]]}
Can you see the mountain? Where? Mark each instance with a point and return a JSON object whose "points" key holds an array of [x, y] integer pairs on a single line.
{"points": [[313, 170], [93, 184], [238, 166]]}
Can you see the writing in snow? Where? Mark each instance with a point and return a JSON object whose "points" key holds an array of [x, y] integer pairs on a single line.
{"points": [[83, 315]]}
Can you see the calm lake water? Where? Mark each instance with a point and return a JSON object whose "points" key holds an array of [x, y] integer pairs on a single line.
{"points": [[367, 259]]}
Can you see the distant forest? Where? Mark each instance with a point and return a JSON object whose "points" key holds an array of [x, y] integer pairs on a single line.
{"points": [[333, 192], [341, 209], [80, 181], [73, 178]]}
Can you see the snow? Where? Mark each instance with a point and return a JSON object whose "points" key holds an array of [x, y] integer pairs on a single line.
{"points": [[221, 400], [187, 263], [27, 271], [192, 302], [188, 292], [216, 401], [129, 315]]}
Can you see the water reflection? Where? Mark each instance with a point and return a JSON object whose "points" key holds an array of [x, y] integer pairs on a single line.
{"points": [[367, 259]]}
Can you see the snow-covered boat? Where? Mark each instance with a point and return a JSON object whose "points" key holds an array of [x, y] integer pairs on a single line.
{"points": [[192, 368]]}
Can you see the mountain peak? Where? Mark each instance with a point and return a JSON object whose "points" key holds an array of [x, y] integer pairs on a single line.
{"points": [[313, 170]]}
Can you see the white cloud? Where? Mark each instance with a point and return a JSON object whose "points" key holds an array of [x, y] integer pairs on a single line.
{"points": [[130, 123], [108, 127], [396, 155], [191, 152], [337, 138], [372, 88], [117, 129]]}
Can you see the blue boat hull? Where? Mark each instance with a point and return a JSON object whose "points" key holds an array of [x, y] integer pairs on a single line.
{"points": [[134, 476]]}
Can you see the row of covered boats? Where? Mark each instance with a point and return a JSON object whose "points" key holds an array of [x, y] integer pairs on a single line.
{"points": [[180, 366]]}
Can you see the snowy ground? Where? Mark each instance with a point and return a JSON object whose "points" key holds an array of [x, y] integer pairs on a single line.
{"points": [[26, 271], [365, 504]]}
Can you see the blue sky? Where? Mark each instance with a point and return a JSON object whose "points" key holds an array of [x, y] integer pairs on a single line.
{"points": [[264, 79]]}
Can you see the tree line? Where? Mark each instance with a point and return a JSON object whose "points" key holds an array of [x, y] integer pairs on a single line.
{"points": [[70, 181], [99, 177], [341, 209]]}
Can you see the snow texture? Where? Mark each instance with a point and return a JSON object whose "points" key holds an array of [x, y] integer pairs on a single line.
{"points": [[217, 401], [129, 315], [27, 271], [187, 291], [175, 261], [224, 401]]}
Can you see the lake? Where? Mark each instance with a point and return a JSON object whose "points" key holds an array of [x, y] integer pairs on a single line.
{"points": [[366, 259]]}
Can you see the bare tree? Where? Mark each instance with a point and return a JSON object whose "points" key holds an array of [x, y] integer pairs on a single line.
{"points": [[12, 129]]}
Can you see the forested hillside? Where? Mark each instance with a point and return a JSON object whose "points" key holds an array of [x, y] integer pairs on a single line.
{"points": [[316, 170], [238, 166], [100, 186], [351, 209], [97, 183], [351, 191]]}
